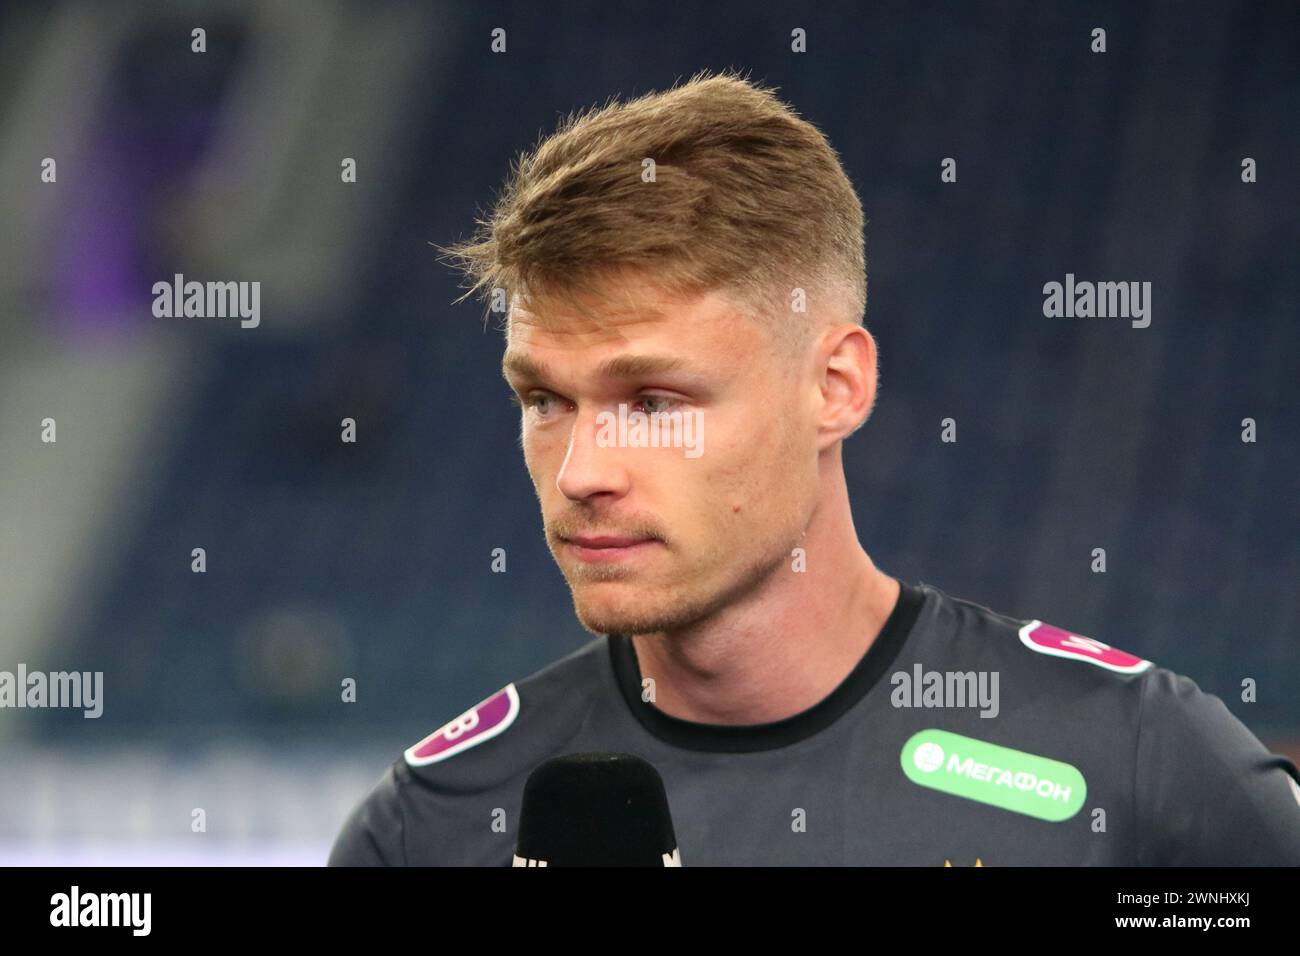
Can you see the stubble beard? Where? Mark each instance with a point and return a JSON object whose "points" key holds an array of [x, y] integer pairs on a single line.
{"points": [[665, 608]]}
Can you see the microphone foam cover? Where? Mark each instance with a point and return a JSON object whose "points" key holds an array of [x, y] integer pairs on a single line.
{"points": [[596, 809]]}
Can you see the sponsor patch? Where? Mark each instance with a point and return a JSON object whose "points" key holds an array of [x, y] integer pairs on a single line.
{"points": [[988, 773], [1047, 639], [481, 722]]}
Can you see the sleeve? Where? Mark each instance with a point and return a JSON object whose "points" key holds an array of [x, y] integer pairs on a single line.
{"points": [[1207, 792], [373, 834]]}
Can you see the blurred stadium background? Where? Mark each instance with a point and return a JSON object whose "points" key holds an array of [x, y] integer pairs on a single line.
{"points": [[371, 561]]}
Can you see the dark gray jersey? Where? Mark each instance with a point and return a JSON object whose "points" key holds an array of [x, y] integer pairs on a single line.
{"points": [[963, 736]]}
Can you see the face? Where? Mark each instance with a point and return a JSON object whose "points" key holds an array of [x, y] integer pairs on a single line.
{"points": [[653, 539]]}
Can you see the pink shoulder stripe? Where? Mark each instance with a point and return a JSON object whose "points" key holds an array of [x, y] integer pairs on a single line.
{"points": [[481, 722], [1047, 639]]}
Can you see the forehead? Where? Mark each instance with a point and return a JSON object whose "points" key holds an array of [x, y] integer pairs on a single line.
{"points": [[682, 332], [617, 301]]}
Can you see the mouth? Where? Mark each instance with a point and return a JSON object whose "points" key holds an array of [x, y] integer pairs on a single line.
{"points": [[604, 548]]}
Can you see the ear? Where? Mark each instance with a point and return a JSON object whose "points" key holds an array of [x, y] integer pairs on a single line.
{"points": [[847, 360]]}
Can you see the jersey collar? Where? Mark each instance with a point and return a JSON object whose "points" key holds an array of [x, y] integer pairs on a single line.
{"points": [[747, 738]]}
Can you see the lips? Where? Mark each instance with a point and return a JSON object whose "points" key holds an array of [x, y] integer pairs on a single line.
{"points": [[600, 542], [608, 548]]}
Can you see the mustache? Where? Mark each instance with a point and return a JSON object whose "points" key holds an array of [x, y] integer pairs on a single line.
{"points": [[571, 527]]}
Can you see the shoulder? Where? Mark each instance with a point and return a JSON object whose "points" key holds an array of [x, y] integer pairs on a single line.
{"points": [[511, 726], [1044, 661], [499, 738], [1033, 651], [1202, 787], [1207, 790]]}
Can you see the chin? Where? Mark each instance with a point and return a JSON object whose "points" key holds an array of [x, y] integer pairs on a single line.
{"points": [[603, 618], [608, 615]]}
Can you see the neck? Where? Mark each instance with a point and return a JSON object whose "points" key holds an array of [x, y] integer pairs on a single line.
{"points": [[788, 644]]}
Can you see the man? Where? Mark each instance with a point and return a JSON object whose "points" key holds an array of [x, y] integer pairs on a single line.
{"points": [[696, 257]]}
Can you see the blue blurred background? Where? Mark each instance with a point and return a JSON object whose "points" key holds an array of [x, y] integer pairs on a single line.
{"points": [[370, 560]]}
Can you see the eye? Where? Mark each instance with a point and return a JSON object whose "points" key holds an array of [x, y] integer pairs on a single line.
{"points": [[658, 404], [539, 402]]}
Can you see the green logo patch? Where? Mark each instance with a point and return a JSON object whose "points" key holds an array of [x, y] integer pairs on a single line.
{"points": [[999, 776]]}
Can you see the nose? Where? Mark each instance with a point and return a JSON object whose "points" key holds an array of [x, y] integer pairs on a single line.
{"points": [[590, 469]]}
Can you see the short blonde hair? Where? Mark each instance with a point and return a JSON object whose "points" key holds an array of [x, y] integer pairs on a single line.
{"points": [[748, 199]]}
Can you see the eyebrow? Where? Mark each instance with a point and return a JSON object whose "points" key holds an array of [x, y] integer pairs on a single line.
{"points": [[619, 367]]}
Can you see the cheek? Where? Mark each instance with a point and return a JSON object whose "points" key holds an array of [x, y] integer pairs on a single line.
{"points": [[540, 468], [732, 484], [540, 451], [756, 477]]}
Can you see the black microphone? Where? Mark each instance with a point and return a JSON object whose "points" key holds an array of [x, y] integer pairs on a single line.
{"points": [[596, 809]]}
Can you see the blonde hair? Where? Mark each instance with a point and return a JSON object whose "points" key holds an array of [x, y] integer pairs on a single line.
{"points": [[748, 199]]}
